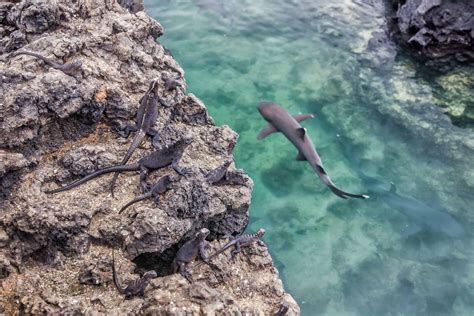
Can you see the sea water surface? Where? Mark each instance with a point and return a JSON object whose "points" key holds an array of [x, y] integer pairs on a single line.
{"points": [[409, 249]]}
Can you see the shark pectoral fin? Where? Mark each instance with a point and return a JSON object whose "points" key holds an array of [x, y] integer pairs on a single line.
{"points": [[301, 132], [267, 130], [302, 117], [300, 157]]}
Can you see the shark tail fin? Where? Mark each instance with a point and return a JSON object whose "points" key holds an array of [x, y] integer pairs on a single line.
{"points": [[340, 193], [344, 194]]}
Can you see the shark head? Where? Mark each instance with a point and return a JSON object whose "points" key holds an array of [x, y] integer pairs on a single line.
{"points": [[268, 109]]}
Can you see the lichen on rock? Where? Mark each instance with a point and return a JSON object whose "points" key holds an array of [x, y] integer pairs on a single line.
{"points": [[57, 128]]}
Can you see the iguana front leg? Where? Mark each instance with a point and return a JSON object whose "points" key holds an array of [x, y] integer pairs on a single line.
{"points": [[185, 273], [204, 257], [235, 251], [153, 132], [143, 176], [181, 171], [202, 252], [139, 120], [128, 129]]}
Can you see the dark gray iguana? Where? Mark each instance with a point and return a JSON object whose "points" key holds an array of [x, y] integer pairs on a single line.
{"points": [[222, 175], [157, 159], [136, 287], [283, 310], [147, 114], [68, 69], [172, 82], [189, 251], [218, 174], [158, 188], [238, 242]]}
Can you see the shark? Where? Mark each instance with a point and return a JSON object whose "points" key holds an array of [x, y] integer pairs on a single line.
{"points": [[279, 120], [220, 7], [423, 216]]}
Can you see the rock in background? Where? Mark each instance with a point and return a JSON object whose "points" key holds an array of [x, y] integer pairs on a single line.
{"points": [[438, 30], [57, 128], [438, 35]]}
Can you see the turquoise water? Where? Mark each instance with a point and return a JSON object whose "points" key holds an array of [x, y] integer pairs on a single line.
{"points": [[404, 253]]}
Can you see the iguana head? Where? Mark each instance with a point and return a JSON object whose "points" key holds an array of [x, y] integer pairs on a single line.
{"points": [[150, 274], [203, 233]]}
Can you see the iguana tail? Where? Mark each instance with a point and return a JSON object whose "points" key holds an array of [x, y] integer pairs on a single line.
{"points": [[115, 275], [136, 141], [135, 200], [132, 167], [218, 252]]}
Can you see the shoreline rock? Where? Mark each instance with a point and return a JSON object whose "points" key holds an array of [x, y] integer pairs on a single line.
{"points": [[439, 33], [57, 128]]}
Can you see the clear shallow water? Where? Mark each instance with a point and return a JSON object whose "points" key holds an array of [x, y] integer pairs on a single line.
{"points": [[391, 255]]}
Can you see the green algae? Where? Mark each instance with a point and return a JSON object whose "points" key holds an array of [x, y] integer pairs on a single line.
{"points": [[455, 93]]}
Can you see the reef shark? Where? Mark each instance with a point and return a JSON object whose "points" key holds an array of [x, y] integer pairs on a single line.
{"points": [[279, 120], [212, 5], [422, 215], [221, 7]]}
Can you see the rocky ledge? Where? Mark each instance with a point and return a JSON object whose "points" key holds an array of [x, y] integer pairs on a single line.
{"points": [[439, 31], [55, 250]]}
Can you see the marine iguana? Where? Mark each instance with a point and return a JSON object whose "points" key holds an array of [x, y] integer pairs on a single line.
{"points": [[146, 116], [218, 174], [172, 82], [283, 310], [189, 251], [157, 159], [160, 187], [68, 69], [279, 120], [238, 242], [134, 288]]}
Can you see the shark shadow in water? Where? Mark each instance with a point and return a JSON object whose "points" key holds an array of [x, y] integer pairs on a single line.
{"points": [[423, 216]]}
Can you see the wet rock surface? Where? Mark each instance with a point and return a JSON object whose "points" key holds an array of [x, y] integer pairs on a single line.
{"points": [[57, 128], [439, 31]]}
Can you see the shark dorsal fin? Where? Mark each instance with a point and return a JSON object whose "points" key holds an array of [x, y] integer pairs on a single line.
{"points": [[301, 132], [300, 157], [393, 188]]}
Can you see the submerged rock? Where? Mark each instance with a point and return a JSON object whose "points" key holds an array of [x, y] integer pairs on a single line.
{"points": [[455, 94], [56, 128]]}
